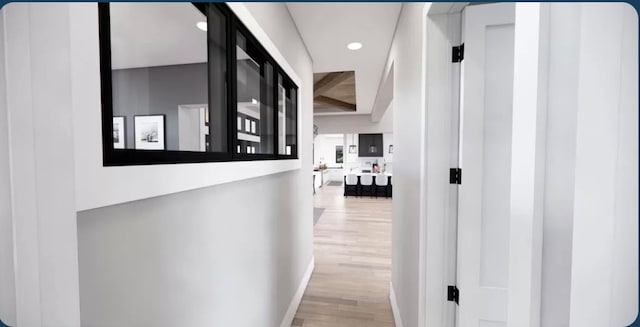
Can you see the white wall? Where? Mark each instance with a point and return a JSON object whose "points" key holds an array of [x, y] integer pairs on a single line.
{"points": [[351, 139], [387, 140], [406, 58], [42, 164], [53, 103], [590, 159], [324, 146], [560, 160], [604, 271], [7, 296], [590, 217]]}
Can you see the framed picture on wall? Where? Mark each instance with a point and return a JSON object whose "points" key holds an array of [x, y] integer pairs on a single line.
{"points": [[149, 132], [339, 154], [119, 135]]}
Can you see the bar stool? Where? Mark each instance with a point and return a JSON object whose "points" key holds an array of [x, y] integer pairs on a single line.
{"points": [[382, 185], [351, 185], [366, 183], [390, 187]]}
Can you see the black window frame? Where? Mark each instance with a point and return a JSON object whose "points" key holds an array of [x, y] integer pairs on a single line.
{"points": [[126, 157], [288, 84]]}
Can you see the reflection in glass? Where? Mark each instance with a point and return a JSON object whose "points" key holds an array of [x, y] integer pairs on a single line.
{"points": [[160, 66], [287, 111], [255, 100]]}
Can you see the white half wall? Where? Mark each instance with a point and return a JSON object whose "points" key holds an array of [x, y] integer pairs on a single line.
{"points": [[227, 255], [203, 251]]}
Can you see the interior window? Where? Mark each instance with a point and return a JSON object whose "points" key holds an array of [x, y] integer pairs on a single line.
{"points": [[178, 86], [254, 99], [159, 65]]}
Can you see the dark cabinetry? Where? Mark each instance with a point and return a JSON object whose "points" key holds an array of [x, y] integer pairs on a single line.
{"points": [[370, 145]]}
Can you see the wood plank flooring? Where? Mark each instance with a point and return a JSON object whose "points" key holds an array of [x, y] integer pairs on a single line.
{"points": [[352, 246]]}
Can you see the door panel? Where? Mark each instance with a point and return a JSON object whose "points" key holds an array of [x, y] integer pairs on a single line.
{"points": [[485, 154], [496, 159]]}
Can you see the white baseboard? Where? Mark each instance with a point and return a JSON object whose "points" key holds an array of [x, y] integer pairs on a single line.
{"points": [[394, 306], [297, 298]]}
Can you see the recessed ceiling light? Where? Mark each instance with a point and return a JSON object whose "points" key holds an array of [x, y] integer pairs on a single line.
{"points": [[202, 26], [354, 45]]}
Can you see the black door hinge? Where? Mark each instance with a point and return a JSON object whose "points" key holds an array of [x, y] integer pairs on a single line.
{"points": [[455, 176], [457, 53], [453, 294]]}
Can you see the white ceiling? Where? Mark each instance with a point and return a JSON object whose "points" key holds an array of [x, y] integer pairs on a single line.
{"points": [[145, 34], [328, 27], [157, 34]]}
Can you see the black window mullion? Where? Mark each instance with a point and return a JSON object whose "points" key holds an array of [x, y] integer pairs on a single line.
{"points": [[294, 151], [202, 6], [264, 107], [212, 8], [232, 105], [276, 111], [104, 32], [205, 10]]}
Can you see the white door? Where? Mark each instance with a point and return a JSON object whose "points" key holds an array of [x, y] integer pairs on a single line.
{"points": [[192, 128], [485, 159]]}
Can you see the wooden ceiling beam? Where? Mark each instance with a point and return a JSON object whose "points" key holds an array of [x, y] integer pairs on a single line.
{"points": [[335, 103], [328, 82]]}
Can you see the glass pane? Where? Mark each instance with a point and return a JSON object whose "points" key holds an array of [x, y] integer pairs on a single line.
{"points": [[282, 116], [159, 77], [287, 128], [255, 100], [292, 128]]}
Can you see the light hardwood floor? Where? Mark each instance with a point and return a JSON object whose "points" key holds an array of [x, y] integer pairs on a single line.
{"points": [[352, 246]]}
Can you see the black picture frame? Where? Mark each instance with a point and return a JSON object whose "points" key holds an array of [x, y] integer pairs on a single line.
{"points": [[124, 132], [164, 133]]}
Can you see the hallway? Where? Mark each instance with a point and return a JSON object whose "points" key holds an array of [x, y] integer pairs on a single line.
{"points": [[352, 248]]}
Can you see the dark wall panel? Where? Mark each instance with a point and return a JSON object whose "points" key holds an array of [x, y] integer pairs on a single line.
{"points": [[158, 90]]}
